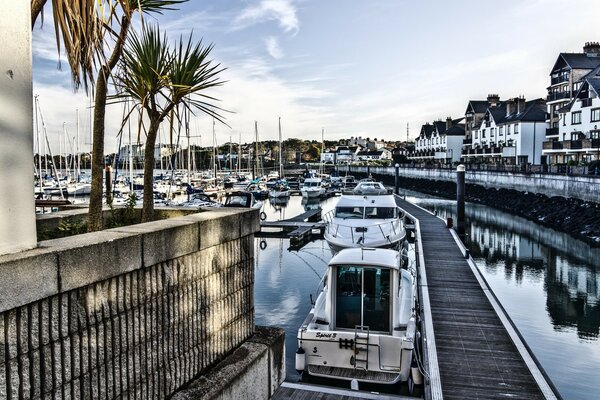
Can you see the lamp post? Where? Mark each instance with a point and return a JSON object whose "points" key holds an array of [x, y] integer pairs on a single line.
{"points": [[397, 179]]}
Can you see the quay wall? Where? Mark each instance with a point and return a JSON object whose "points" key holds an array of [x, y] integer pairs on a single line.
{"points": [[569, 186], [134, 312]]}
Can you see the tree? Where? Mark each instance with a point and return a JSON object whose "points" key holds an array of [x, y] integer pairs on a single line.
{"points": [[82, 32], [128, 7], [162, 82]]}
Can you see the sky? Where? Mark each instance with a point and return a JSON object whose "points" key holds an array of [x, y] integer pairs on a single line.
{"points": [[345, 67]]}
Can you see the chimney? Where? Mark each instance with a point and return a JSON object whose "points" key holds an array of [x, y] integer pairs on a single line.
{"points": [[520, 104], [493, 99], [511, 106], [448, 122], [592, 49]]}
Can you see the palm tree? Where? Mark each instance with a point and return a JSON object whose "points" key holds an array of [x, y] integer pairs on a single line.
{"points": [[161, 81], [81, 29], [128, 7]]}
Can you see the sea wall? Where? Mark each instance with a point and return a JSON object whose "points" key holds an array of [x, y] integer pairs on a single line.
{"points": [[585, 188], [574, 216], [134, 312]]}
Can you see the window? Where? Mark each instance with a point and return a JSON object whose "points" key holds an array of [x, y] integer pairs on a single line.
{"points": [[363, 298], [576, 86], [501, 131], [595, 114], [576, 118], [349, 212], [483, 133], [516, 129], [508, 128], [380, 212]]}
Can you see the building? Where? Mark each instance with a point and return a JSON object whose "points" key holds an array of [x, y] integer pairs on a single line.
{"points": [[510, 132], [441, 141], [474, 114], [579, 128], [328, 157], [567, 77], [347, 154], [372, 155]]}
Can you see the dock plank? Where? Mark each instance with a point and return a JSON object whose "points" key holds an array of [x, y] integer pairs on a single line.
{"points": [[476, 356]]}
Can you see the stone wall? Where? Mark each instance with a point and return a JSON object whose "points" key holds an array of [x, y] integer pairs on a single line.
{"points": [[586, 188], [133, 312]]}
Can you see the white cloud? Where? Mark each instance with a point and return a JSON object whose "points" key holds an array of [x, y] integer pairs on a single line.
{"points": [[282, 11], [273, 47]]}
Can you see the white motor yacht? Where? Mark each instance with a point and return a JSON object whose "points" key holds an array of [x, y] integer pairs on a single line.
{"points": [[312, 188], [364, 221], [362, 325]]}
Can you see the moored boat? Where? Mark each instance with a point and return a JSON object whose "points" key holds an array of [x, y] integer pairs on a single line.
{"points": [[312, 188], [364, 221], [362, 326]]}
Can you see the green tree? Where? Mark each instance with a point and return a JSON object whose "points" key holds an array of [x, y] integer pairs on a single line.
{"points": [[160, 81]]}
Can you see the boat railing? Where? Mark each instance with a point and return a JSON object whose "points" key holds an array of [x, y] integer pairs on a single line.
{"points": [[357, 233]]}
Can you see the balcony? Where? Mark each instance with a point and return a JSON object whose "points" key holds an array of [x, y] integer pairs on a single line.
{"points": [[467, 141], [559, 79], [572, 144], [590, 143], [552, 145], [551, 131], [586, 102], [558, 96]]}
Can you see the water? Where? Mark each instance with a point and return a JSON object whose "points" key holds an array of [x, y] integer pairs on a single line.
{"points": [[548, 282]]}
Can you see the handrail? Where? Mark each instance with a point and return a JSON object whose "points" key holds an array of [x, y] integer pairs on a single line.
{"points": [[328, 217]]}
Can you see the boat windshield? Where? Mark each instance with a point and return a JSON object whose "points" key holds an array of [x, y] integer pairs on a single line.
{"points": [[380, 212], [363, 298], [349, 212], [311, 184]]}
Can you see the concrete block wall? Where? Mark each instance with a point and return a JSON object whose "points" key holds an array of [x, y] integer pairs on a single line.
{"points": [[133, 312], [579, 187]]}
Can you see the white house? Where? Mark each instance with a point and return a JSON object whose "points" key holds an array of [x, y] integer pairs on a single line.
{"points": [[371, 155], [440, 141], [328, 157], [510, 132], [346, 154], [579, 125]]}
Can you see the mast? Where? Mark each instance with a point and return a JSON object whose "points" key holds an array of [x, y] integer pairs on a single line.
{"points": [[214, 152], [77, 147], [256, 146], [240, 154], [189, 149], [130, 154], [37, 128], [322, 146], [280, 151]]}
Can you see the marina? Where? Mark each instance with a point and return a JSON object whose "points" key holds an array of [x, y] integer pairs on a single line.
{"points": [[283, 266]]}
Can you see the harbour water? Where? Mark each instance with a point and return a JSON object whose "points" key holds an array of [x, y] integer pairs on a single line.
{"points": [[548, 282]]}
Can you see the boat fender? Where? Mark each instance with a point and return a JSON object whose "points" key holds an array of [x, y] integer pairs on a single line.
{"points": [[404, 258], [354, 384], [263, 244], [300, 360], [262, 216], [416, 375]]}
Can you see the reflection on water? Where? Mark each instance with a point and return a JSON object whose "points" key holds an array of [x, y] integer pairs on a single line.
{"points": [[548, 282]]}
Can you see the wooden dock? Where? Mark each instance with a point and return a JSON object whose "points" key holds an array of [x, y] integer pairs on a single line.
{"points": [[304, 391], [298, 229], [471, 349]]}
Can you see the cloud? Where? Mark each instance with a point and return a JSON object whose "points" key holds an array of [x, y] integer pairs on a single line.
{"points": [[273, 47], [282, 11]]}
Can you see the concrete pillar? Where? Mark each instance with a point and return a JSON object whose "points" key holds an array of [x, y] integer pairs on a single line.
{"points": [[460, 200], [17, 207], [397, 179]]}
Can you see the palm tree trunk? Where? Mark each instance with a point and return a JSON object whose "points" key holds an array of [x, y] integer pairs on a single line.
{"points": [[148, 206], [95, 209]]}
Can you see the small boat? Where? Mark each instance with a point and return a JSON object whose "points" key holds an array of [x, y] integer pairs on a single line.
{"points": [[312, 188], [279, 190], [258, 189], [362, 326], [364, 221], [242, 199], [369, 187]]}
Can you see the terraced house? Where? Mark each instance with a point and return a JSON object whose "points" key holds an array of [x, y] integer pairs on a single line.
{"points": [[572, 121], [440, 142], [510, 132]]}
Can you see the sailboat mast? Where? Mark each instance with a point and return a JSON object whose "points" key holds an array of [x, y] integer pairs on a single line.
{"points": [[130, 154], [256, 146], [189, 149], [240, 154], [280, 152], [39, 149], [214, 152], [322, 148], [77, 147]]}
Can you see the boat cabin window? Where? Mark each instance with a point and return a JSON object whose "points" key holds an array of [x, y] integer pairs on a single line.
{"points": [[363, 298], [349, 212], [312, 184], [380, 212], [238, 201]]}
